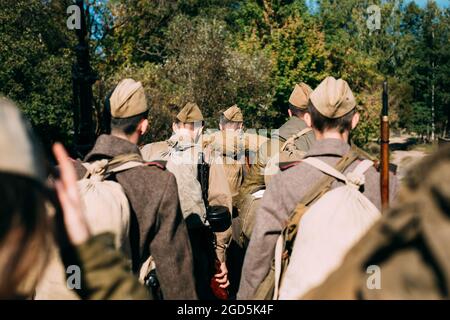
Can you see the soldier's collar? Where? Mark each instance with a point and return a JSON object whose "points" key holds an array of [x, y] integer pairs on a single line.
{"points": [[328, 147], [111, 146]]}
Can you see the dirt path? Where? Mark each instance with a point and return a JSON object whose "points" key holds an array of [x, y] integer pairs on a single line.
{"points": [[402, 156]]}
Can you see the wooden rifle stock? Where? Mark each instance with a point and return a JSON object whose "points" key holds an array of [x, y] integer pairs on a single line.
{"points": [[384, 158]]}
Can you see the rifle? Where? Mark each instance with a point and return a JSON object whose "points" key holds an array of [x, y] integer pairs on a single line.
{"points": [[83, 77], [384, 157], [214, 216], [203, 178]]}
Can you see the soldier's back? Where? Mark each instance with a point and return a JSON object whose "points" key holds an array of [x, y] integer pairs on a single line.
{"points": [[153, 151]]}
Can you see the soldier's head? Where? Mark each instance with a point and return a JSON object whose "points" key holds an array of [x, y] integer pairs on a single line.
{"points": [[332, 110], [25, 231], [298, 101], [231, 119], [189, 121], [129, 111]]}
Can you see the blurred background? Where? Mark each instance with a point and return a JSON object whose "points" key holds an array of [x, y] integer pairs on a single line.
{"points": [[221, 52]]}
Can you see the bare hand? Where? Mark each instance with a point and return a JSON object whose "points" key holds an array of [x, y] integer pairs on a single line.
{"points": [[222, 277], [69, 198]]}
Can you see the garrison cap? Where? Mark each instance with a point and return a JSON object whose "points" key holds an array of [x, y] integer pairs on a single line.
{"points": [[128, 99], [333, 98], [234, 114], [20, 152], [300, 96], [190, 113]]}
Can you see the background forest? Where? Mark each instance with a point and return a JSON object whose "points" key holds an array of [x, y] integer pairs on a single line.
{"points": [[221, 52]]}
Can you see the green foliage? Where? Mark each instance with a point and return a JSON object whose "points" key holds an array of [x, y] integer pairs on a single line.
{"points": [[35, 64], [221, 52], [203, 67]]}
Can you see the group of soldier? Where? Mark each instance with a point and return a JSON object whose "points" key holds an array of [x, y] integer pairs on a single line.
{"points": [[255, 180], [154, 194]]}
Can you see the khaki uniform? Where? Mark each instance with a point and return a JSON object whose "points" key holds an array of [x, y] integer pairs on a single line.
{"points": [[218, 193], [254, 181], [234, 146], [193, 206], [106, 273], [285, 191]]}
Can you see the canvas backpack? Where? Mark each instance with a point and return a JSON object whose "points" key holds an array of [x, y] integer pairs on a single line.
{"points": [[326, 232], [409, 245], [106, 209], [288, 154], [251, 202], [266, 289], [182, 162]]}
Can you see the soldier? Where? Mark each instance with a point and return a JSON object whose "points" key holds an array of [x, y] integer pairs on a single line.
{"points": [[294, 132], [182, 152], [298, 102], [157, 227], [405, 255], [235, 145], [332, 115]]}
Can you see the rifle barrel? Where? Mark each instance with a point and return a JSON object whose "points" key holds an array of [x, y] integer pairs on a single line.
{"points": [[384, 172], [385, 99]]}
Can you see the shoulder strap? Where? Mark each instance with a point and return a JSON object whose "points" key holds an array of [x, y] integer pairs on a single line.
{"points": [[288, 235], [124, 158], [363, 167], [325, 183], [119, 163], [295, 137], [279, 248], [326, 168], [126, 166]]}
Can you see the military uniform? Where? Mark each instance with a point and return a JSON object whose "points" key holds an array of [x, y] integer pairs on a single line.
{"points": [[234, 146], [218, 193], [288, 188], [182, 152], [156, 223], [254, 181], [266, 160], [410, 244]]}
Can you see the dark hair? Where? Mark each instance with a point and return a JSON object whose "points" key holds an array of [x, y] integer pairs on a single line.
{"points": [[225, 123], [128, 125], [106, 117], [296, 111], [25, 233], [322, 123]]}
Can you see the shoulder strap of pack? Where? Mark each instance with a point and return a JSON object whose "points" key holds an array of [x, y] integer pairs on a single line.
{"points": [[295, 137], [326, 168], [325, 183], [124, 162], [316, 192], [287, 237]]}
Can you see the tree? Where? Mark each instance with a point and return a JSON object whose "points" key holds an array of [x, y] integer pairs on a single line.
{"points": [[35, 44], [203, 67]]}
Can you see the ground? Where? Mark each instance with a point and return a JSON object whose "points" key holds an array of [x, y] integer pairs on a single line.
{"points": [[406, 151]]}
